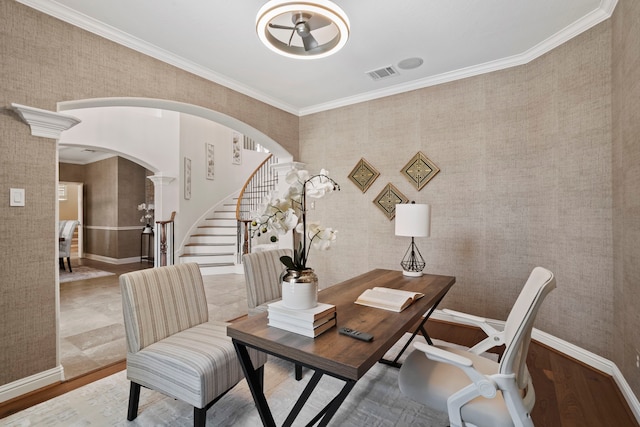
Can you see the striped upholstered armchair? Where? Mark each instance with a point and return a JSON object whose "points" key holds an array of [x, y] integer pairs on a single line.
{"points": [[172, 348], [262, 277]]}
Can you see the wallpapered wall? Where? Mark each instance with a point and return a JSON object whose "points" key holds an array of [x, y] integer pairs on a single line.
{"points": [[527, 176], [626, 185], [526, 179], [45, 61], [113, 189]]}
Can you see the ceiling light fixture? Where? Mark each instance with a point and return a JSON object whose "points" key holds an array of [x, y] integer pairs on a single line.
{"points": [[302, 29]]}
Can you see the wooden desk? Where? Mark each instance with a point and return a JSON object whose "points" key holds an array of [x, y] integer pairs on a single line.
{"points": [[331, 353]]}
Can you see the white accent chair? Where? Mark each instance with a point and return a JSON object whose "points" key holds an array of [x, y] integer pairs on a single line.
{"points": [[66, 228], [172, 347], [475, 390]]}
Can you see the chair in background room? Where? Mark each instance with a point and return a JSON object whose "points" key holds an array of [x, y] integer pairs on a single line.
{"points": [[66, 229], [172, 347], [474, 389]]}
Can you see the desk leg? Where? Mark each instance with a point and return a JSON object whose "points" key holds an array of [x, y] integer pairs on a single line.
{"points": [[330, 410], [325, 415], [420, 328], [255, 382], [311, 385]]}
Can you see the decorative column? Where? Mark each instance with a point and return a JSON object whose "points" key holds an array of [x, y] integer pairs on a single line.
{"points": [[161, 202], [47, 124]]}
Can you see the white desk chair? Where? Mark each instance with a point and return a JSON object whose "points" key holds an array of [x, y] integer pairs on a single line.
{"points": [[475, 390]]}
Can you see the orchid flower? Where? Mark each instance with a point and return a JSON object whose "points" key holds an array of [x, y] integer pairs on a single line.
{"points": [[279, 215]]}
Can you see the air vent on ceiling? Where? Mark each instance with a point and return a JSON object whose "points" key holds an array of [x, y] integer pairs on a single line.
{"points": [[383, 73]]}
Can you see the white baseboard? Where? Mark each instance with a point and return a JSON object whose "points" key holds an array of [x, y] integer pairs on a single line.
{"points": [[32, 383], [588, 358], [110, 260]]}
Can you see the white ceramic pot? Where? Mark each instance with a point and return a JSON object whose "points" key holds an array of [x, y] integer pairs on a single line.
{"points": [[299, 289]]}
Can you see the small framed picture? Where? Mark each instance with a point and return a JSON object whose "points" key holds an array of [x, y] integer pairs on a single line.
{"points": [[419, 170], [363, 175], [236, 151], [387, 200], [210, 160], [187, 178]]}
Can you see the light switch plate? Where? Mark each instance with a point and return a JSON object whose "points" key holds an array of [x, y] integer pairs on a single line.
{"points": [[17, 197]]}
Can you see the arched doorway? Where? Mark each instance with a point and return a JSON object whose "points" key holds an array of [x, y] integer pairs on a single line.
{"points": [[150, 145]]}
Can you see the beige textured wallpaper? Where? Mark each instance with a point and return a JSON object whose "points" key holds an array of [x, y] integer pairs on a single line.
{"points": [[626, 189], [45, 61], [525, 159], [539, 167]]}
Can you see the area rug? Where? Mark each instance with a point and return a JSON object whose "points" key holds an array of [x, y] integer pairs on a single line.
{"points": [[82, 272], [375, 401]]}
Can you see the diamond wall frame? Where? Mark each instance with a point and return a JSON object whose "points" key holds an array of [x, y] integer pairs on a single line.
{"points": [[420, 170], [363, 175], [387, 200]]}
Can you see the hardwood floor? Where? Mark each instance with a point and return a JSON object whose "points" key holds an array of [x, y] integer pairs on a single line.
{"points": [[568, 393]]}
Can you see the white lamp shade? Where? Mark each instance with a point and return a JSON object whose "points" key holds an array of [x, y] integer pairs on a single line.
{"points": [[413, 220]]}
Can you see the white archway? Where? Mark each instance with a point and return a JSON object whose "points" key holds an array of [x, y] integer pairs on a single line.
{"points": [[154, 125], [163, 104]]}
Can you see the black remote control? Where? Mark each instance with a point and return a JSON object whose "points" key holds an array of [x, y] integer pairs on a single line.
{"points": [[355, 334]]}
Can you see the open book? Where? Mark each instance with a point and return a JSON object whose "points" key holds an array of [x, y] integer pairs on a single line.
{"points": [[388, 299]]}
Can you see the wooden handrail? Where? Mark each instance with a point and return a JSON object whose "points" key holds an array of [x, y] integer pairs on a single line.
{"points": [[260, 183], [246, 184]]}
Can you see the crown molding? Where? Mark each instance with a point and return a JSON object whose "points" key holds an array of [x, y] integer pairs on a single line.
{"points": [[110, 33], [47, 124], [601, 14], [604, 11]]}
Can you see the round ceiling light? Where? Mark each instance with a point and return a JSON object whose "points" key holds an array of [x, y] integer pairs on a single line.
{"points": [[302, 29]]}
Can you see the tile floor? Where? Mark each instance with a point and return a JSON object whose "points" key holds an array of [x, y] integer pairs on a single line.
{"points": [[91, 326]]}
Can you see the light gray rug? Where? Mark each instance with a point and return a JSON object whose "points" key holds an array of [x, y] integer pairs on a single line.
{"points": [[82, 272], [374, 401]]}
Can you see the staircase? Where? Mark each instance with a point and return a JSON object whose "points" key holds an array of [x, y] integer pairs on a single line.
{"points": [[221, 239], [214, 244]]}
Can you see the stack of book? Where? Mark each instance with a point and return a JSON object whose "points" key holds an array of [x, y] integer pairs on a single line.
{"points": [[310, 322]]}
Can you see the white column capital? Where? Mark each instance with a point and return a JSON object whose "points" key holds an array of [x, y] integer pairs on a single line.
{"points": [[47, 124], [160, 180]]}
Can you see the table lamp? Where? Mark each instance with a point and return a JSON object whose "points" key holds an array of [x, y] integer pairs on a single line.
{"points": [[413, 220]]}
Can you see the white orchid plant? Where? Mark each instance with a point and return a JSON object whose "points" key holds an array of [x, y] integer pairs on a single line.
{"points": [[279, 215], [148, 212]]}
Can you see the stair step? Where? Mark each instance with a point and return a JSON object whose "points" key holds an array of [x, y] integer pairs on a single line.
{"points": [[210, 244], [216, 226], [212, 239], [210, 235], [208, 254], [216, 264]]}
